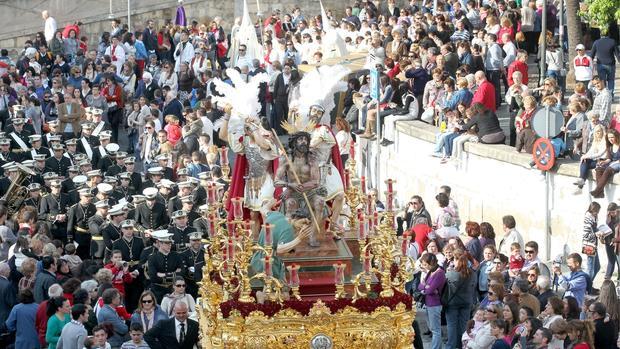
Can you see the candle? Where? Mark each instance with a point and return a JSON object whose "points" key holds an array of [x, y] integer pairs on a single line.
{"points": [[232, 230], [211, 193], [337, 276], [404, 243], [371, 224], [223, 155], [366, 264], [361, 232], [375, 219], [237, 208], [352, 151], [347, 179], [363, 184], [267, 266], [211, 225], [388, 201], [247, 226], [268, 237], [390, 185], [369, 204], [225, 258], [231, 250], [293, 275]]}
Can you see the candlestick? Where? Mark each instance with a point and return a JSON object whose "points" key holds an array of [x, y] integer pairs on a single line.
{"points": [[268, 237], [237, 208], [363, 184], [267, 266]]}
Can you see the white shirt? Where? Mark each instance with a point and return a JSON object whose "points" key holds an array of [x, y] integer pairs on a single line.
{"points": [[50, 28], [177, 328], [512, 236]]}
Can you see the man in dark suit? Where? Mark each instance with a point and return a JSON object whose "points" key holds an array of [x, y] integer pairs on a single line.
{"points": [[178, 332]]}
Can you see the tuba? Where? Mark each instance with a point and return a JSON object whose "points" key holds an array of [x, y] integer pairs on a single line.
{"points": [[17, 194]]}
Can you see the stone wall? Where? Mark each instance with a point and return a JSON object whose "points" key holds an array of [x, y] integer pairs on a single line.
{"points": [[488, 183], [22, 18]]}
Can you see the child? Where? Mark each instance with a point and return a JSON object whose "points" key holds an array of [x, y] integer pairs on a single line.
{"points": [[516, 259], [173, 129], [137, 341], [485, 268], [473, 326], [74, 261], [498, 330], [120, 272]]}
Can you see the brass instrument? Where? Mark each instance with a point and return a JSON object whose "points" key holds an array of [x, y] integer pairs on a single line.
{"points": [[17, 194]]}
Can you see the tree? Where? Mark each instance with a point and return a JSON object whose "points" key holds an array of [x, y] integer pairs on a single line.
{"points": [[574, 34], [602, 12]]}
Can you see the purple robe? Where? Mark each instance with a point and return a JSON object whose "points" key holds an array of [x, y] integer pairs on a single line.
{"points": [[180, 18]]}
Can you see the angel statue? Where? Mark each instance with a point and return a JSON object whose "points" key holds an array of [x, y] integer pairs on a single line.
{"points": [[256, 152], [316, 103]]}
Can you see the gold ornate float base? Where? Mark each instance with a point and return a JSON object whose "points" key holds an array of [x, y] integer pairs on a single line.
{"points": [[349, 328]]}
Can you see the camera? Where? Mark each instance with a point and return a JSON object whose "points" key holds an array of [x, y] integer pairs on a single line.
{"points": [[125, 265]]}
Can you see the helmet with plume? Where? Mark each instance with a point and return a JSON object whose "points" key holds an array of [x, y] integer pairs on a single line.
{"points": [[318, 88]]}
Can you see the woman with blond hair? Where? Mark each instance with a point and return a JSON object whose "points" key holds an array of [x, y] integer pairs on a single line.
{"points": [[609, 298], [525, 135], [596, 153]]}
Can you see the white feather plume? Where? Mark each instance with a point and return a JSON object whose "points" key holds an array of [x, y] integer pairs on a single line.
{"points": [[319, 86], [243, 97]]}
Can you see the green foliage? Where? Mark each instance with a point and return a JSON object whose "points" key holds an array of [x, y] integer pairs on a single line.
{"points": [[601, 12]]}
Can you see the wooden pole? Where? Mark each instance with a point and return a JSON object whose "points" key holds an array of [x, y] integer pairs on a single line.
{"points": [[290, 165]]}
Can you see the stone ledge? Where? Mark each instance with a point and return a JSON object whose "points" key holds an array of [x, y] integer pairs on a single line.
{"points": [[500, 152]]}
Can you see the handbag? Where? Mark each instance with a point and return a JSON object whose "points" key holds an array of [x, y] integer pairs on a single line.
{"points": [[588, 248]]}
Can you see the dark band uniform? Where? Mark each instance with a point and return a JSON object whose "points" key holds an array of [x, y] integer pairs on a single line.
{"points": [[152, 218], [77, 227], [194, 259], [51, 206], [170, 264]]}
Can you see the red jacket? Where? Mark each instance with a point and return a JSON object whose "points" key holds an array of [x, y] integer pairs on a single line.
{"points": [[119, 278], [485, 94], [40, 322], [517, 65]]}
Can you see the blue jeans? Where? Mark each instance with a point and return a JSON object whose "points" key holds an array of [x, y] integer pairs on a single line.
{"points": [[456, 318], [440, 139], [585, 166], [607, 73], [434, 324], [594, 265], [448, 144]]}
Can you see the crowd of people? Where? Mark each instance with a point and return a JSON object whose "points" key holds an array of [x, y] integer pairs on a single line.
{"points": [[492, 290], [104, 248]]}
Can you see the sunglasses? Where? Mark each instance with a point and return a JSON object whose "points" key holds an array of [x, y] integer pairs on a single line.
{"points": [[491, 293], [529, 251], [531, 275], [147, 301], [179, 285], [490, 310]]}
